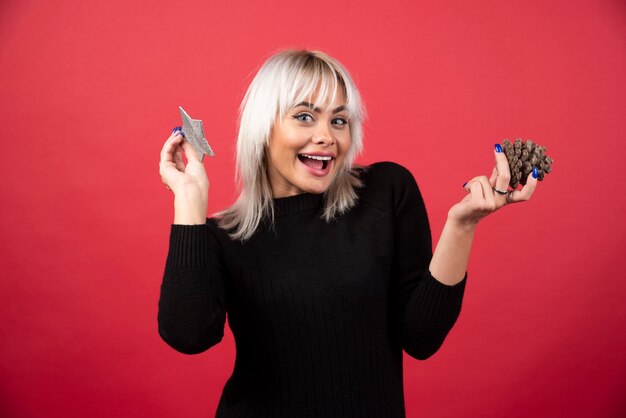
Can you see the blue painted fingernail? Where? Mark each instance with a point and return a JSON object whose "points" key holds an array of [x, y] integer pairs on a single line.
{"points": [[177, 128], [464, 184], [498, 148], [535, 172]]}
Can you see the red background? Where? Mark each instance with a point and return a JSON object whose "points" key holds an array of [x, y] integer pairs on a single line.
{"points": [[89, 92]]}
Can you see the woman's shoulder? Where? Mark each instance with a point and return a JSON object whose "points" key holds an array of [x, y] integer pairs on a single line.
{"points": [[386, 185], [385, 175]]}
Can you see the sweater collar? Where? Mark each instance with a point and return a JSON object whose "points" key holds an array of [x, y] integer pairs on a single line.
{"points": [[297, 203]]}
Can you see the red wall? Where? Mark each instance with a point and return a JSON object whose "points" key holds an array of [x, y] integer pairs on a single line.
{"points": [[89, 92]]}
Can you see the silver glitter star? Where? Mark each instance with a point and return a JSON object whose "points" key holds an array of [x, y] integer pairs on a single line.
{"points": [[194, 134]]}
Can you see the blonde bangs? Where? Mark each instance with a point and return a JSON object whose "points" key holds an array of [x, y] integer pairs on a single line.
{"points": [[309, 76]]}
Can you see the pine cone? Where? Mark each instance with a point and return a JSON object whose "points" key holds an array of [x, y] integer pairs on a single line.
{"points": [[522, 157]]}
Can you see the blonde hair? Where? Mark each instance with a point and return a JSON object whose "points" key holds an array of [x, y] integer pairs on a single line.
{"points": [[285, 79]]}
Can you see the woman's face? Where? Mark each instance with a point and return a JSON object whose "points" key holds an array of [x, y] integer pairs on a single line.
{"points": [[308, 148]]}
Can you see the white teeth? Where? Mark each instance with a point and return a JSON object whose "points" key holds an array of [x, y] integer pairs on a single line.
{"points": [[318, 157]]}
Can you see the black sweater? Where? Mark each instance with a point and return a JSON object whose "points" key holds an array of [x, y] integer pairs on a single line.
{"points": [[320, 312]]}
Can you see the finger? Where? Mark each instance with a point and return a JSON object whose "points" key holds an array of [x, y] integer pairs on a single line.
{"points": [[475, 189], [190, 154], [494, 176], [482, 193], [168, 172], [177, 131], [488, 193], [178, 159], [502, 167], [526, 192], [467, 186], [168, 148]]}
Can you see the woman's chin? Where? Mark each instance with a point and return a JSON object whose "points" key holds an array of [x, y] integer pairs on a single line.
{"points": [[316, 188]]}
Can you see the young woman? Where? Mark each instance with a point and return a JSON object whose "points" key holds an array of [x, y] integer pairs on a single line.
{"points": [[325, 268]]}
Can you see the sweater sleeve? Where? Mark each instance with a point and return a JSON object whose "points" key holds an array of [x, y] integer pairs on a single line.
{"points": [[426, 308], [191, 305]]}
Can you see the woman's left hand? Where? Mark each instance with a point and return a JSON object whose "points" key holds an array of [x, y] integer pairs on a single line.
{"points": [[483, 199]]}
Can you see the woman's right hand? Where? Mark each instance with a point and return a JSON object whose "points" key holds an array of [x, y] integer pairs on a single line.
{"points": [[188, 182]]}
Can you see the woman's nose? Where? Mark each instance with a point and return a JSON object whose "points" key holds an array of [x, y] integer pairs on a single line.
{"points": [[323, 136]]}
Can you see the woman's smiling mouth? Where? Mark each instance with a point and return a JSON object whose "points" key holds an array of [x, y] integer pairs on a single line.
{"points": [[317, 164]]}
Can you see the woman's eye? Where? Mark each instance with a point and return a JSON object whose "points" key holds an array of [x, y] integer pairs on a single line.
{"points": [[340, 122], [304, 117]]}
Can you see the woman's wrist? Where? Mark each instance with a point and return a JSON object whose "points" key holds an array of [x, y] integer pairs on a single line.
{"points": [[189, 211], [188, 219], [449, 262], [460, 227]]}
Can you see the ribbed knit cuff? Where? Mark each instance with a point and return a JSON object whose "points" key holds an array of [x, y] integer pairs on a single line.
{"points": [[190, 246], [440, 302]]}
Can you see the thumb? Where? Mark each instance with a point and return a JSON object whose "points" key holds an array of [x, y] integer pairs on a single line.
{"points": [[190, 153]]}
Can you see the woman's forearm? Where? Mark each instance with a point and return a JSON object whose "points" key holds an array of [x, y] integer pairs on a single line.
{"points": [[449, 262]]}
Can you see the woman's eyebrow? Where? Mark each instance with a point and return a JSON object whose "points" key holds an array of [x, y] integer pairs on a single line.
{"points": [[317, 109]]}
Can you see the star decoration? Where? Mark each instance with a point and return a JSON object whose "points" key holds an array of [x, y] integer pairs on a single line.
{"points": [[194, 134]]}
